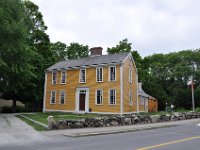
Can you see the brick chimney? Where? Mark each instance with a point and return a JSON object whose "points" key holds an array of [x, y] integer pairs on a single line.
{"points": [[96, 51]]}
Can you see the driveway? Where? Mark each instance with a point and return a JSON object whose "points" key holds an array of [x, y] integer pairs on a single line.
{"points": [[15, 131]]}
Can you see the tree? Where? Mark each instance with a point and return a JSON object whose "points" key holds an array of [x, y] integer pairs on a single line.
{"points": [[44, 56], [60, 51], [76, 50], [15, 53], [123, 46], [165, 77]]}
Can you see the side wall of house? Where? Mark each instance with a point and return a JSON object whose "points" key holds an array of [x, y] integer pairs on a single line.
{"points": [[143, 103], [152, 105], [72, 83], [127, 86]]}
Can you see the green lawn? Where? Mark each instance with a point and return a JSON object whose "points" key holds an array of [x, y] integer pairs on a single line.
{"points": [[42, 117]]}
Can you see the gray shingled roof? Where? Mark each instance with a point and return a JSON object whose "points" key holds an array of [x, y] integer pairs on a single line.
{"points": [[88, 61], [142, 93]]}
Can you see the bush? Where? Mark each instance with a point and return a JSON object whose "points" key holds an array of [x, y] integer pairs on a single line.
{"points": [[198, 109]]}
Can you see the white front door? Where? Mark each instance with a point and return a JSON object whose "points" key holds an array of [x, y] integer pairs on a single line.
{"points": [[82, 100]]}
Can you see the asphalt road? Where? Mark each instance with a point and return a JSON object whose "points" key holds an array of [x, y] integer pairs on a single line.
{"points": [[21, 137]]}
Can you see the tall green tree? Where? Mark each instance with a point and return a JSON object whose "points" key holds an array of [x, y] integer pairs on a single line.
{"points": [[44, 57], [76, 50], [123, 46], [60, 51], [15, 53]]}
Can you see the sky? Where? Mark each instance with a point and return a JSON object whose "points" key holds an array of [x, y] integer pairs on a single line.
{"points": [[152, 26]]}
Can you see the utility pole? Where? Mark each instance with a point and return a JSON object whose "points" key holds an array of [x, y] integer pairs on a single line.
{"points": [[192, 89], [191, 83]]}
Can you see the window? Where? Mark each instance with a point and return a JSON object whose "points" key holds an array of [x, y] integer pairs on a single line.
{"points": [[130, 76], [62, 97], [112, 73], [130, 98], [63, 77], [99, 74], [99, 97], [112, 97], [54, 77], [82, 76], [53, 97], [142, 101]]}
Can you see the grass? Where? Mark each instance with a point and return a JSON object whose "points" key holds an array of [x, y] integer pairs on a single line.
{"points": [[154, 113], [34, 125], [42, 117]]}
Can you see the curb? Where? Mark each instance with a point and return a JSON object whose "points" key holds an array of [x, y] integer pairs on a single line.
{"points": [[114, 131], [36, 122]]}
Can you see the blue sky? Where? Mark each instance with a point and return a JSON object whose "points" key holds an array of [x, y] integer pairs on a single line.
{"points": [[152, 26]]}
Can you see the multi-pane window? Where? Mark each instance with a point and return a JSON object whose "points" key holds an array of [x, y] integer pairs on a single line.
{"points": [[53, 97], [82, 77], [130, 76], [142, 101], [112, 96], [54, 77], [63, 77], [130, 98], [112, 73], [99, 97], [62, 97], [99, 74]]}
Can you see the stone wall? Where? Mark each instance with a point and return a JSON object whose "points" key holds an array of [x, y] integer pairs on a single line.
{"points": [[130, 119]]}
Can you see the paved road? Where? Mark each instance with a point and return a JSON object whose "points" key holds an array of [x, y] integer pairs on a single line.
{"points": [[182, 137]]}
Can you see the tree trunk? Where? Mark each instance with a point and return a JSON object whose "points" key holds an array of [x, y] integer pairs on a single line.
{"points": [[13, 106]]}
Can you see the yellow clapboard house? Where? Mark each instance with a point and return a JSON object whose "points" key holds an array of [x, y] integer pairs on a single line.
{"points": [[97, 84]]}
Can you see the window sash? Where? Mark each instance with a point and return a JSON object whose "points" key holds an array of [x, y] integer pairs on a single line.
{"points": [[112, 73], [99, 74], [112, 97], [130, 98], [63, 77], [82, 76], [54, 77], [142, 101], [53, 97], [62, 97], [130, 76], [99, 97]]}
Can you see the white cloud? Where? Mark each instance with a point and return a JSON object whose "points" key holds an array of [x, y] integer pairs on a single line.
{"points": [[153, 26]]}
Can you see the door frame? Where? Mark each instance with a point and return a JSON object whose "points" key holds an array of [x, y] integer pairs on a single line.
{"points": [[78, 90]]}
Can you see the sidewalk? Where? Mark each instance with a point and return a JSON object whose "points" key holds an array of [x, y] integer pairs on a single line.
{"points": [[118, 129]]}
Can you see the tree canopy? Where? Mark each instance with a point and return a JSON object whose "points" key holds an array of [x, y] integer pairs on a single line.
{"points": [[123, 46]]}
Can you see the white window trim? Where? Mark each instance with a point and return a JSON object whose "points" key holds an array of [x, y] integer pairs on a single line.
{"points": [[64, 97], [96, 97], [51, 97], [130, 98], [56, 77], [102, 73], [80, 75], [61, 77], [130, 75], [109, 97], [109, 74]]}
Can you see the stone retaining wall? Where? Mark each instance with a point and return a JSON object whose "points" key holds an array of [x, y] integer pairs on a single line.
{"points": [[130, 119]]}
